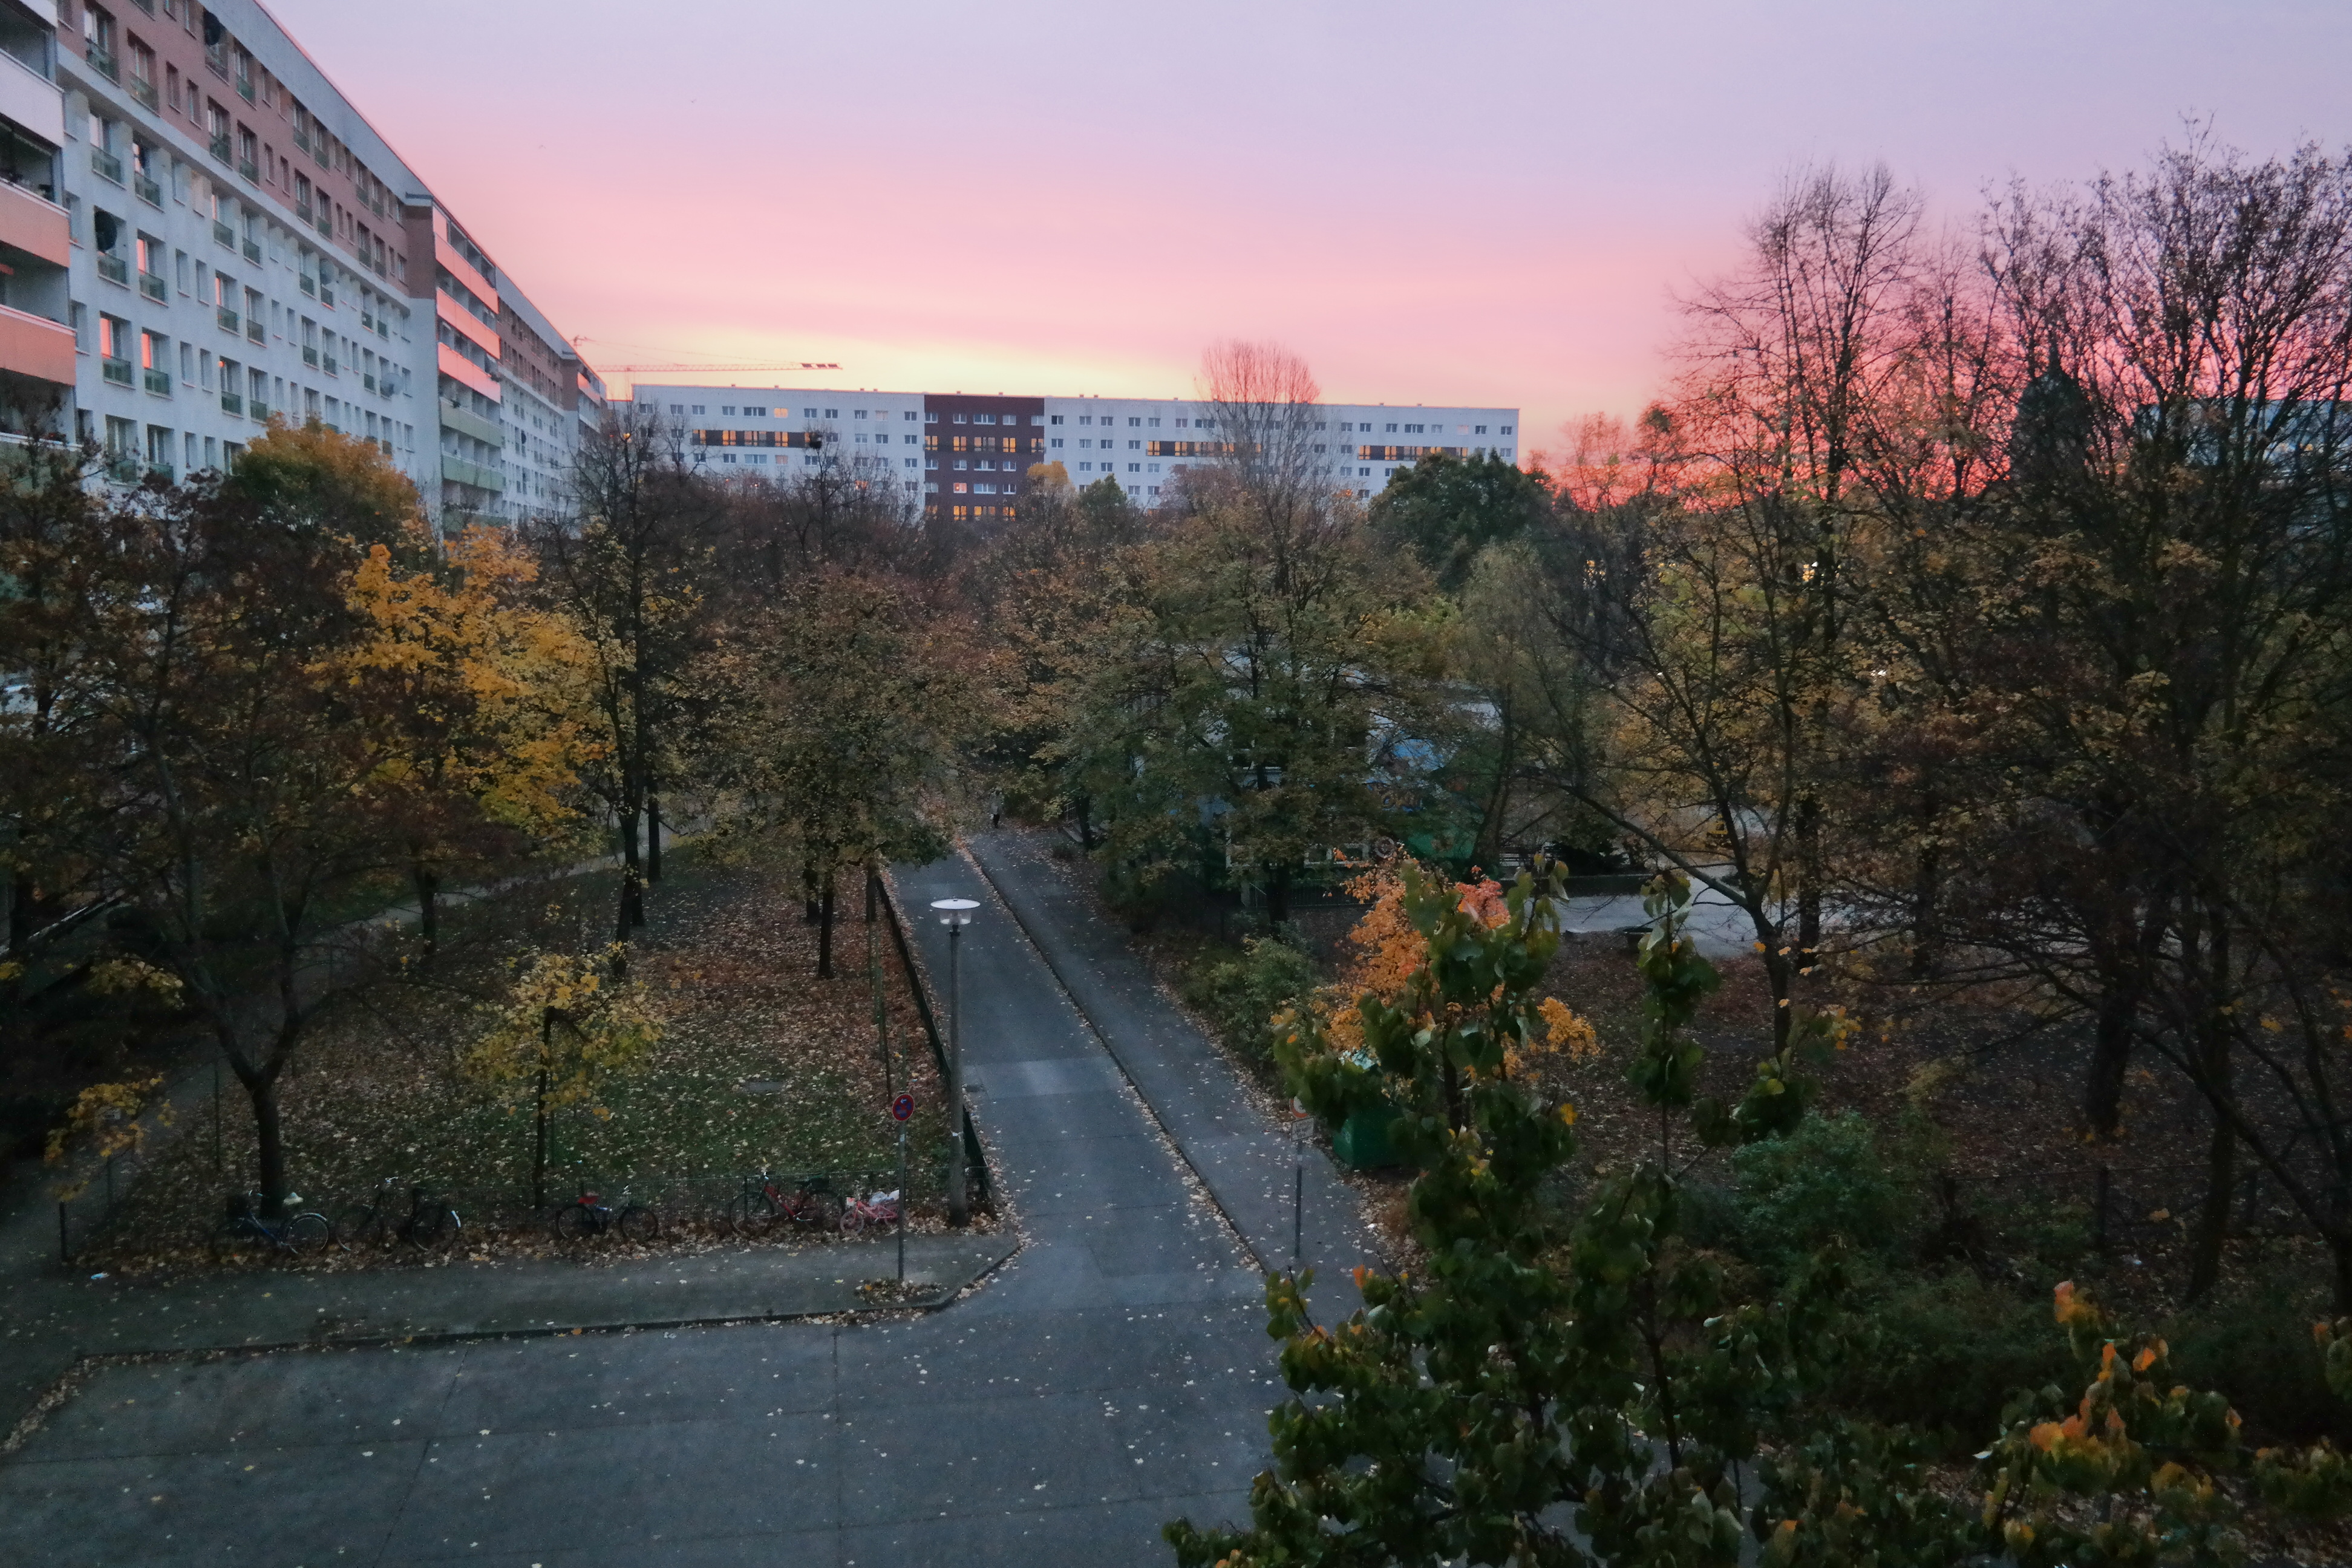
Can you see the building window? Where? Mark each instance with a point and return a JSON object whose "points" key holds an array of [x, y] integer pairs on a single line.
{"points": [[833, 414], [1057, 440], [1133, 422], [1501, 430], [1478, 430], [1135, 468]]}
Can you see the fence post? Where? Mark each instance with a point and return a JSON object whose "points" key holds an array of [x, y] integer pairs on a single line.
{"points": [[2099, 1224]]}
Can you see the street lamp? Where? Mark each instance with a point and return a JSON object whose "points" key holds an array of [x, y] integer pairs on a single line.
{"points": [[955, 914]]}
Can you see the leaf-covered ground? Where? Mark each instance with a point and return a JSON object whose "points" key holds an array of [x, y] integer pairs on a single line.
{"points": [[761, 1066]]}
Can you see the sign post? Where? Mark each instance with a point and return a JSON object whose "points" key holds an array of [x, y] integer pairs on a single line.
{"points": [[900, 1110], [955, 914]]}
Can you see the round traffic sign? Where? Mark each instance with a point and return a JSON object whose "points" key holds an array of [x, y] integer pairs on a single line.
{"points": [[903, 1107]]}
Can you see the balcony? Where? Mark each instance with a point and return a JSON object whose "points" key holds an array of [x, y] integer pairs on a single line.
{"points": [[117, 371], [311, 355], [255, 331], [35, 346], [33, 223], [248, 168], [227, 318], [232, 403], [152, 285], [145, 91], [159, 382], [149, 191], [114, 269], [122, 468], [221, 149], [252, 249], [105, 165], [460, 471], [223, 235], [102, 61]]}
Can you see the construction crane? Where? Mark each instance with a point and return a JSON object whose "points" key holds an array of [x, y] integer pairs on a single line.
{"points": [[639, 369]]}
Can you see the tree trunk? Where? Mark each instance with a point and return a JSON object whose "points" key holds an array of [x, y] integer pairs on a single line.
{"points": [[269, 1136], [809, 895], [1086, 824], [633, 900], [2111, 1048], [1277, 898], [2213, 1218], [428, 904], [652, 837], [1809, 880], [824, 930], [1926, 934]]}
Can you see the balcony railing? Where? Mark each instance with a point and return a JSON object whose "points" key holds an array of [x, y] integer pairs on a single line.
{"points": [[232, 403], [326, 294], [149, 190], [332, 367], [248, 168], [257, 409], [221, 148], [302, 140], [105, 165], [113, 268], [311, 356], [244, 88], [368, 381], [160, 381], [117, 371], [122, 468], [101, 60], [252, 248], [325, 222], [255, 331], [224, 235], [145, 91], [309, 284], [227, 318], [152, 285], [164, 471]]}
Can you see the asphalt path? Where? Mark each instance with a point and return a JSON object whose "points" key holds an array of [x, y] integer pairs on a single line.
{"points": [[1113, 1375]]}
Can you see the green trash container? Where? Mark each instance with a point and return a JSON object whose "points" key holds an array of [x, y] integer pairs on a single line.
{"points": [[1362, 1141]]}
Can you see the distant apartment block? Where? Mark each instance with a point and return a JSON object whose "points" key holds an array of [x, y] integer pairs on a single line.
{"points": [[969, 456], [198, 232]]}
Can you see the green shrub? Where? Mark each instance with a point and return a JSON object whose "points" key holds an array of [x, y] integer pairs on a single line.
{"points": [[1240, 996], [1945, 1353], [2254, 1345], [1824, 1179]]}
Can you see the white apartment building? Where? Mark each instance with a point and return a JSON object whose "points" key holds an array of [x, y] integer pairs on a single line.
{"points": [[969, 455], [200, 233]]}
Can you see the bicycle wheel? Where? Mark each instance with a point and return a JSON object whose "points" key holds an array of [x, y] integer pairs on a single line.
{"points": [[435, 1229], [749, 1215], [852, 1220], [307, 1235], [638, 1225], [573, 1223], [358, 1226]]}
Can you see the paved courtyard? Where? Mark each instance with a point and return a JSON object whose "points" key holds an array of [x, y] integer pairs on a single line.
{"points": [[1113, 1374]]}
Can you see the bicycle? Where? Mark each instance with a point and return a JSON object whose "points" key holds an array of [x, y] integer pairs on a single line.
{"points": [[433, 1226], [302, 1234], [763, 1202], [589, 1215], [880, 1209]]}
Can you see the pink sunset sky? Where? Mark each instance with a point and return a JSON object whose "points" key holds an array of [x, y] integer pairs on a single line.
{"points": [[1464, 203]]}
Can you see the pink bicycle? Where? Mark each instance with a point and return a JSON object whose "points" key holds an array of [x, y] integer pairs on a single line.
{"points": [[880, 1209]]}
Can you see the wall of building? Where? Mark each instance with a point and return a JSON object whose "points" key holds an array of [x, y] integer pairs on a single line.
{"points": [[975, 451]]}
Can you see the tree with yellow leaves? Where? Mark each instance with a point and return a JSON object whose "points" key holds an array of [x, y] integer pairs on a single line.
{"points": [[567, 1030], [475, 705]]}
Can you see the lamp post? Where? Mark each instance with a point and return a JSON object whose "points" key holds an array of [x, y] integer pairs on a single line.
{"points": [[955, 914]]}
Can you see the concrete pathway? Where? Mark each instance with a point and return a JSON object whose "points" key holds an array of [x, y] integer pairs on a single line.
{"points": [[1113, 1374], [1252, 1168]]}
